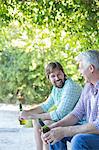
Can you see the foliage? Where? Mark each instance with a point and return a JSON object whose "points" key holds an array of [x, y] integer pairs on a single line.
{"points": [[33, 33]]}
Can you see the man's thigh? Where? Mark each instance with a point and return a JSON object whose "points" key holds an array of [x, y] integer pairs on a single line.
{"points": [[85, 141], [61, 145]]}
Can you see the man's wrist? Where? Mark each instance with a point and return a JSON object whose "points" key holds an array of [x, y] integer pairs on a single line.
{"points": [[63, 132], [69, 131]]}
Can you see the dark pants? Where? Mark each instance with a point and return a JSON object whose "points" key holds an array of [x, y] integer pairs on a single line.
{"points": [[78, 142]]}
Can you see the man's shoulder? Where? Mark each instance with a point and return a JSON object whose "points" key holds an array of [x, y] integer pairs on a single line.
{"points": [[87, 87], [71, 82], [72, 86]]}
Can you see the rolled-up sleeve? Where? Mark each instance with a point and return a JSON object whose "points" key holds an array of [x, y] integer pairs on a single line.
{"points": [[96, 122], [68, 100]]}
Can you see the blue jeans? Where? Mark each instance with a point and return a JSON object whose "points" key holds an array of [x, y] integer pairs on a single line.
{"points": [[61, 145], [78, 142]]}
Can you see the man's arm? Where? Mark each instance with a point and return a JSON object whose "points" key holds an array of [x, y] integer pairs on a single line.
{"points": [[68, 120], [30, 112], [76, 129], [34, 113], [38, 111], [69, 97], [57, 133], [72, 119]]}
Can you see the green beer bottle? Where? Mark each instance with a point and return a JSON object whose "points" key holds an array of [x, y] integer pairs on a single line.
{"points": [[44, 127], [22, 121]]}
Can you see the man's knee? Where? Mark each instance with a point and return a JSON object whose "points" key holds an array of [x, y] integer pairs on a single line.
{"points": [[77, 137], [35, 123], [77, 140]]}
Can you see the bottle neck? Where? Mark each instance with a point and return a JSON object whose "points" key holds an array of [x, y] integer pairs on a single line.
{"points": [[20, 107], [41, 122]]}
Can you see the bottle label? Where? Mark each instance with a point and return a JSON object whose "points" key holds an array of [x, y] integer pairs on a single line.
{"points": [[23, 122]]}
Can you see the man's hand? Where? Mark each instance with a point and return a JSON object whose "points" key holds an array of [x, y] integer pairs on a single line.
{"points": [[54, 135], [24, 115], [27, 115]]}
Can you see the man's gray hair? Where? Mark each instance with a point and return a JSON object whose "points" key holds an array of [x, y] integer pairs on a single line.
{"points": [[89, 57]]}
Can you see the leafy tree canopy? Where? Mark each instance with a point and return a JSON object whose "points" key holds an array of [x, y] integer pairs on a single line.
{"points": [[35, 32]]}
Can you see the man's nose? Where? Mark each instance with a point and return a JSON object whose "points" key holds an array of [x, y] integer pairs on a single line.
{"points": [[56, 78]]}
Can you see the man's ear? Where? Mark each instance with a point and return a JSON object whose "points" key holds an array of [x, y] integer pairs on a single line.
{"points": [[91, 68]]}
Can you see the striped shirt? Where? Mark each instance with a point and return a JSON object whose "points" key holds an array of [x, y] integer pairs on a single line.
{"points": [[88, 105], [64, 99]]}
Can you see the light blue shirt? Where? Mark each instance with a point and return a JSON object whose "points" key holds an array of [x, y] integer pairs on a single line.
{"points": [[64, 99]]}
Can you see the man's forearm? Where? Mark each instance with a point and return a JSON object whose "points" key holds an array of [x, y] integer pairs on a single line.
{"points": [[35, 110], [87, 128], [44, 116], [35, 113], [76, 129], [66, 121]]}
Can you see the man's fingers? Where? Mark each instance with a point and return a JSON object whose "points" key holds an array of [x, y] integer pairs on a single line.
{"points": [[43, 138], [52, 143], [49, 138], [20, 118], [47, 134], [40, 130], [49, 141]]}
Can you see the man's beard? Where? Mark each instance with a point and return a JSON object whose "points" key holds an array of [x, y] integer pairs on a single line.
{"points": [[59, 83]]}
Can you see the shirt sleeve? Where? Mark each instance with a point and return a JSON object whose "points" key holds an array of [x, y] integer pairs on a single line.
{"points": [[96, 122], [68, 100], [48, 103]]}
